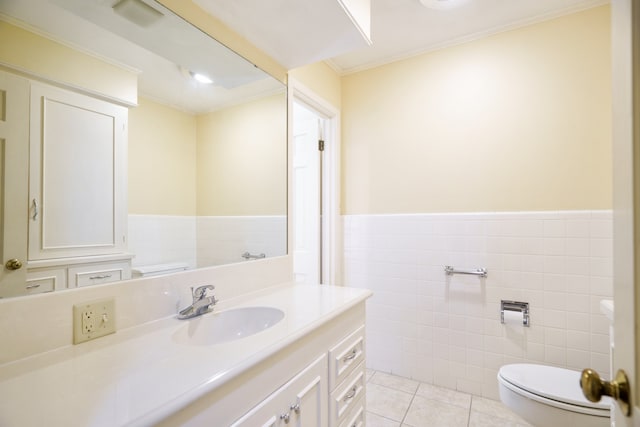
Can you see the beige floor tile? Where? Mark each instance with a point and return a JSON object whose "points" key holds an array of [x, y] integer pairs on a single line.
{"points": [[387, 402], [478, 419], [445, 395], [495, 409], [395, 382], [374, 420], [425, 412]]}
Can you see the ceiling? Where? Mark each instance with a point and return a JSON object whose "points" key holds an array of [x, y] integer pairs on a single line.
{"points": [[399, 28], [162, 54], [307, 32]]}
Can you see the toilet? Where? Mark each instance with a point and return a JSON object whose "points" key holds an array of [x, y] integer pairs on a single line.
{"points": [[550, 396]]}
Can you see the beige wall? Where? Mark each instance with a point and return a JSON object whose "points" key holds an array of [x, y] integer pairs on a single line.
{"points": [[322, 80], [516, 121], [45, 58], [162, 159], [242, 159]]}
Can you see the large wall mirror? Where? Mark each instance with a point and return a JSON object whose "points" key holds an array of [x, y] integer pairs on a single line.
{"points": [[206, 162]]}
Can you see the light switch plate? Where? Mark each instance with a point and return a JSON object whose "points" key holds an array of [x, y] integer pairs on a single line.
{"points": [[93, 319]]}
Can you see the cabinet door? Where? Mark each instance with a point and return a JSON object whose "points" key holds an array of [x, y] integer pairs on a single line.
{"points": [[301, 402], [77, 186], [14, 161]]}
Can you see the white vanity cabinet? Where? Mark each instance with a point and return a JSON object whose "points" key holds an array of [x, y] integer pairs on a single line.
{"points": [[316, 381], [300, 402]]}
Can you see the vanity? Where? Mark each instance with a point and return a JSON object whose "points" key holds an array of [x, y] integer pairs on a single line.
{"points": [[308, 369]]}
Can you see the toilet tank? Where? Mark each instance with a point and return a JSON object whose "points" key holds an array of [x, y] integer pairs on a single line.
{"points": [[158, 269]]}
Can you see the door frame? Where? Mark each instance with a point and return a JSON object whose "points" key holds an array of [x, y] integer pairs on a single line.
{"points": [[331, 223], [626, 198]]}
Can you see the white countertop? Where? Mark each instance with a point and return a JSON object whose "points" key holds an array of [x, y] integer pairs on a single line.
{"points": [[139, 375]]}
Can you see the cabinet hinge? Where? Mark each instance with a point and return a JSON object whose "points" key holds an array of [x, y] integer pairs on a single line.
{"points": [[320, 145]]}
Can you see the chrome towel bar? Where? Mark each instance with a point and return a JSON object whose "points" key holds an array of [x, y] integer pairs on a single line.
{"points": [[449, 270], [248, 256]]}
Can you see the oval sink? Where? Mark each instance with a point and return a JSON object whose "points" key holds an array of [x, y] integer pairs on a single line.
{"points": [[227, 325]]}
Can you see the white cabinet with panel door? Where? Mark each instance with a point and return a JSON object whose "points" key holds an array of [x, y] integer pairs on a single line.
{"points": [[77, 175], [64, 188], [300, 402]]}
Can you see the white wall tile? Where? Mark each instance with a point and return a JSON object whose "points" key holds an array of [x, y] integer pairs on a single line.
{"points": [[437, 328]]}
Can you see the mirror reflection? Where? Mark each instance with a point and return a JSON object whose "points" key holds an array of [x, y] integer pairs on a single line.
{"points": [[149, 147]]}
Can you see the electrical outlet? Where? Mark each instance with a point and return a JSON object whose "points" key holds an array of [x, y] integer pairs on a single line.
{"points": [[93, 319]]}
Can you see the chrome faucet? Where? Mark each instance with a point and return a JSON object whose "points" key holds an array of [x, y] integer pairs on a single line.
{"points": [[201, 303]]}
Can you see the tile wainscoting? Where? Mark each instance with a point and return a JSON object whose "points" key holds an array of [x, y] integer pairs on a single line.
{"points": [[159, 239], [446, 330], [223, 239], [204, 240]]}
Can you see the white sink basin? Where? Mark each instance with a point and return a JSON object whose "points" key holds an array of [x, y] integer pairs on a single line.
{"points": [[227, 325]]}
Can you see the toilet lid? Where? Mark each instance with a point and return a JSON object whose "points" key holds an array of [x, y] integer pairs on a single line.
{"points": [[562, 385]]}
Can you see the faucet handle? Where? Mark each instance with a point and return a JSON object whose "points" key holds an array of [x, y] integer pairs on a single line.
{"points": [[201, 291]]}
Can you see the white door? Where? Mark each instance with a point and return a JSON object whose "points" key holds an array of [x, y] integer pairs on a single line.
{"points": [[306, 196], [626, 146], [14, 167]]}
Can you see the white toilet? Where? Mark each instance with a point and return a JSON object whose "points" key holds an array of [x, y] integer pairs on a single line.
{"points": [[549, 396]]}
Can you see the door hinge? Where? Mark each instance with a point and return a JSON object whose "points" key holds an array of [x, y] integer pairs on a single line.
{"points": [[320, 145]]}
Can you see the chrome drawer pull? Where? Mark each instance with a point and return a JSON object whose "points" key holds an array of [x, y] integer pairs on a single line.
{"points": [[100, 276], [37, 285], [351, 393], [350, 356]]}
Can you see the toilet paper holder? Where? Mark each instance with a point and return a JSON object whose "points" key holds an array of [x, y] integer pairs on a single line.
{"points": [[522, 307]]}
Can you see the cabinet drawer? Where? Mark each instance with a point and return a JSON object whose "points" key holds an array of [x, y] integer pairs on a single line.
{"points": [[345, 356], [96, 274], [355, 418], [45, 281], [347, 395]]}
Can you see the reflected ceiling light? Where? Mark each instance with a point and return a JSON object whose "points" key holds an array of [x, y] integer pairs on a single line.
{"points": [[199, 77], [443, 4], [137, 12]]}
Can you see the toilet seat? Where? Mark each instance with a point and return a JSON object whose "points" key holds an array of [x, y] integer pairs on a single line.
{"points": [[552, 386]]}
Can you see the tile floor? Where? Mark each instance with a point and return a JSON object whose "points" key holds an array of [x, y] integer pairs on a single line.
{"points": [[394, 401]]}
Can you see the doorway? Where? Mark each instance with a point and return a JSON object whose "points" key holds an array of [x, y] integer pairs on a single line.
{"points": [[315, 208]]}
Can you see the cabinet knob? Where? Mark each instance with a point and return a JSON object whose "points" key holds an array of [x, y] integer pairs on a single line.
{"points": [[295, 408], [13, 264], [285, 417]]}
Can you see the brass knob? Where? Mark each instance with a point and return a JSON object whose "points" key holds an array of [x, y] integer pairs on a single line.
{"points": [[13, 264], [594, 388]]}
